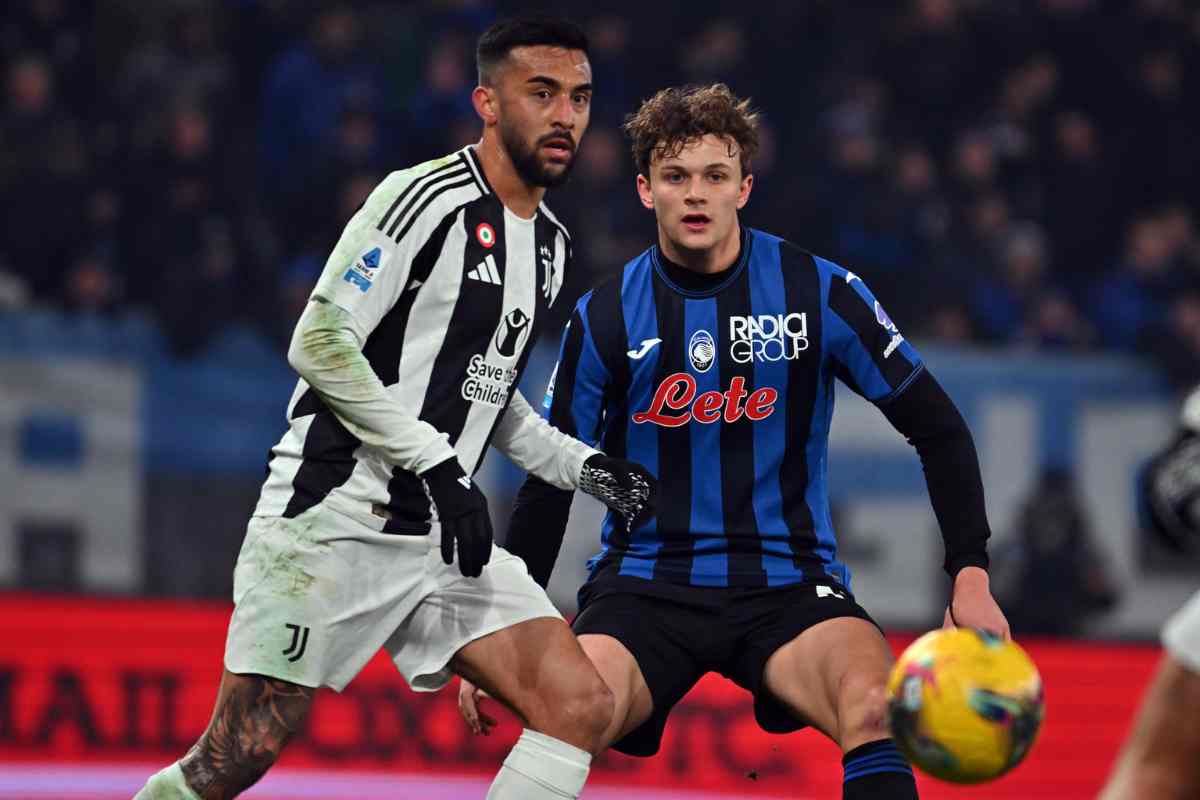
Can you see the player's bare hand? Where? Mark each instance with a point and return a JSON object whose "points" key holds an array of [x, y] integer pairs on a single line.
{"points": [[470, 705], [972, 605]]}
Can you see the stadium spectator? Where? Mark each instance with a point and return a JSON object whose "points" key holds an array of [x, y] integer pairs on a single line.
{"points": [[906, 151], [307, 90], [444, 97], [1079, 189], [43, 165], [1021, 305], [1137, 292]]}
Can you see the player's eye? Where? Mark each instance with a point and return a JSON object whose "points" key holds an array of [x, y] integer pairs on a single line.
{"points": [[582, 99], [542, 94], [674, 177], [716, 177]]}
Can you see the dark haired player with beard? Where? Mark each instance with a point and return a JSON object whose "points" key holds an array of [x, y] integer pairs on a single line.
{"points": [[711, 359], [409, 355]]}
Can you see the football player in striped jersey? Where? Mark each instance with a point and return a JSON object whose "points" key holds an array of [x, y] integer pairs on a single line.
{"points": [[711, 358], [370, 532]]}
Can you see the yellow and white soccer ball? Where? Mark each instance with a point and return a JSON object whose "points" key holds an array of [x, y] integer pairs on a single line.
{"points": [[964, 706]]}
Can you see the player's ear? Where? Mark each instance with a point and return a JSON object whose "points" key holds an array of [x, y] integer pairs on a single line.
{"points": [[487, 105], [643, 190], [744, 191]]}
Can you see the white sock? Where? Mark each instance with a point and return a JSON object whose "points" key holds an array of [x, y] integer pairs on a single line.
{"points": [[540, 767], [167, 784]]}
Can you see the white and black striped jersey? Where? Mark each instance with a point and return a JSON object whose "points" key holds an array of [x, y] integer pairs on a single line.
{"points": [[444, 287]]}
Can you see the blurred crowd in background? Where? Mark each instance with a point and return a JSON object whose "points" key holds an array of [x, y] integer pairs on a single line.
{"points": [[1015, 173]]}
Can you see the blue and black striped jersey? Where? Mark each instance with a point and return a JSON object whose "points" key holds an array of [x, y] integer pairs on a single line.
{"points": [[726, 395]]}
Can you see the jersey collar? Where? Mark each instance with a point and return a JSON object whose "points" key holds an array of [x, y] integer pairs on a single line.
{"points": [[656, 258]]}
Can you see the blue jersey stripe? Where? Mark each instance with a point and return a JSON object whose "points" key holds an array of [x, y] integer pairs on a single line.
{"points": [[817, 451], [641, 325], [589, 371], [870, 381], [710, 563], [770, 437]]}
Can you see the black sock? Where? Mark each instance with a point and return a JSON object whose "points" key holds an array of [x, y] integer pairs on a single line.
{"points": [[877, 771]]}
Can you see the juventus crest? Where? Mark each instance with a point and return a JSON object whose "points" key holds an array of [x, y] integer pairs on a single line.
{"points": [[547, 256]]}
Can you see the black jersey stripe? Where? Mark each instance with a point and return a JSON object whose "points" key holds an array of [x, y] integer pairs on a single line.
{"points": [[562, 403], [674, 520], [408, 505], [473, 322], [522, 362], [553, 220], [308, 404], [737, 448], [851, 307], [385, 344], [414, 186], [328, 461], [545, 235], [802, 287], [428, 191], [416, 215]]}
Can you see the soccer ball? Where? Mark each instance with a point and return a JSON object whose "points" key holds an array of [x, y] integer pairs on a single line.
{"points": [[964, 706]]}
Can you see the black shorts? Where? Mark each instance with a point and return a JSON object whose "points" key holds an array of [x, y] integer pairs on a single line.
{"points": [[679, 633]]}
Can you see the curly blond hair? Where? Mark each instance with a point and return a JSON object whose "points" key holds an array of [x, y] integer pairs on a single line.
{"points": [[681, 115]]}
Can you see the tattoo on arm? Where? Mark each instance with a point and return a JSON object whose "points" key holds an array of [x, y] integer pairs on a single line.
{"points": [[249, 729]]}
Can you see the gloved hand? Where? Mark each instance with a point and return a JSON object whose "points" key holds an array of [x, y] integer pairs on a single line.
{"points": [[624, 486], [463, 513]]}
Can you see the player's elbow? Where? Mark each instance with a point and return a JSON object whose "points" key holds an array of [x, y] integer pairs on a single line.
{"points": [[320, 336], [300, 350], [952, 431]]}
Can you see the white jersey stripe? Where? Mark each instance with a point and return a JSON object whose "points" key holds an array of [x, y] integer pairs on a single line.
{"points": [[431, 311], [430, 170], [448, 358]]}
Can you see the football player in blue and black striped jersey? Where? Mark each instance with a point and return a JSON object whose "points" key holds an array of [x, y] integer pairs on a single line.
{"points": [[711, 359]]}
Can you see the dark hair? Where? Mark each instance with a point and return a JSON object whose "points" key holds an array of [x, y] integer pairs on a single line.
{"points": [[499, 40], [678, 116]]}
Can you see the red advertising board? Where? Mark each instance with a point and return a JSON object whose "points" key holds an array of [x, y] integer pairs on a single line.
{"points": [[112, 682]]}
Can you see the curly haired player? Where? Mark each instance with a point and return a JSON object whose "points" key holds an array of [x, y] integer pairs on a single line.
{"points": [[711, 360]]}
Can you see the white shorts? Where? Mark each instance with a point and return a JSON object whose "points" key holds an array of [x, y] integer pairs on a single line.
{"points": [[1181, 634], [316, 596]]}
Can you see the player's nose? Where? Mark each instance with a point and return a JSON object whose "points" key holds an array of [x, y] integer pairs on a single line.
{"points": [[564, 113]]}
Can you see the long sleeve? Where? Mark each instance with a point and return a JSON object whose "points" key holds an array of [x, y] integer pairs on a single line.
{"points": [[574, 404], [928, 418], [327, 353], [872, 357], [538, 447], [363, 277]]}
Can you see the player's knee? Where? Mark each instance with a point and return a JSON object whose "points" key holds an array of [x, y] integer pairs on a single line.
{"points": [[863, 713], [593, 706], [585, 713]]}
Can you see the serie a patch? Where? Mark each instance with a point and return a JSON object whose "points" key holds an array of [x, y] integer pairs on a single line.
{"points": [[362, 272]]}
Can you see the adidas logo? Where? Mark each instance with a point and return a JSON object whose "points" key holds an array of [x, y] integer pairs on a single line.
{"points": [[486, 271]]}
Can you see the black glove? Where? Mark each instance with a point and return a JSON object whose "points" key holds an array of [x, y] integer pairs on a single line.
{"points": [[624, 486], [463, 513]]}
